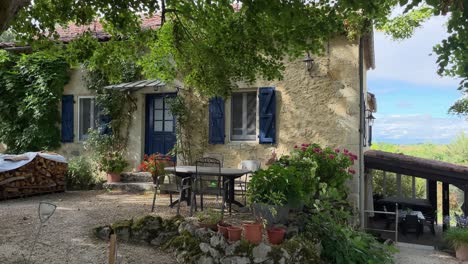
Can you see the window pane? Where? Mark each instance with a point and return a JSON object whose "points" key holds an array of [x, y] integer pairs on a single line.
{"points": [[158, 114], [236, 115], [168, 126], [168, 115], [158, 126], [158, 103], [251, 113], [166, 103]]}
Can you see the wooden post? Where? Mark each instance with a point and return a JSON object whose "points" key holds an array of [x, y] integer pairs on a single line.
{"points": [[465, 200], [413, 187], [398, 183], [432, 193], [445, 203], [112, 249], [384, 184]]}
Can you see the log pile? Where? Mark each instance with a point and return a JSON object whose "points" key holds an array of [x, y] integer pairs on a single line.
{"points": [[36, 177]]}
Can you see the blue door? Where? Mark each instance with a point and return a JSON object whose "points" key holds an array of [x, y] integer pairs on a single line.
{"points": [[160, 133]]}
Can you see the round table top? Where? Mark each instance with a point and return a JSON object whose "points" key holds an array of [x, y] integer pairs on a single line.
{"points": [[207, 170]]}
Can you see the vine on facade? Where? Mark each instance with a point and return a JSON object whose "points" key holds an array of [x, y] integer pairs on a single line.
{"points": [[32, 88]]}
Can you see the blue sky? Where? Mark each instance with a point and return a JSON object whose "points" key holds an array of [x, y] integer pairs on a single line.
{"points": [[412, 99]]}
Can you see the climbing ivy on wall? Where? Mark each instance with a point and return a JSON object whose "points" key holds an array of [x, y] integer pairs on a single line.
{"points": [[31, 87]]}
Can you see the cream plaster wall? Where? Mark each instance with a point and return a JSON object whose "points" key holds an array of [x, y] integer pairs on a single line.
{"points": [[76, 87]]}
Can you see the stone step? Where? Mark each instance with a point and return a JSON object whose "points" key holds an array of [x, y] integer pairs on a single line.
{"points": [[131, 187], [136, 177]]}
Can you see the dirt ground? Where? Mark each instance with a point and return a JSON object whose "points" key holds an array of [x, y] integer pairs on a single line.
{"points": [[67, 236]]}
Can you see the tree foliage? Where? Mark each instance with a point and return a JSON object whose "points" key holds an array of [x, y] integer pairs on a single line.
{"points": [[31, 89], [212, 44]]}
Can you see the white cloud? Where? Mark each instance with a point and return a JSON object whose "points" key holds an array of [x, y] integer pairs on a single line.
{"points": [[409, 60], [412, 129]]}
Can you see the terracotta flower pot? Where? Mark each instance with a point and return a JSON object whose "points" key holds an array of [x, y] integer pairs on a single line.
{"points": [[276, 235], [253, 232], [222, 229], [113, 177], [234, 233], [462, 252]]}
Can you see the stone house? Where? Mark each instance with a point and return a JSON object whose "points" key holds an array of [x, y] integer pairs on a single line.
{"points": [[325, 104]]}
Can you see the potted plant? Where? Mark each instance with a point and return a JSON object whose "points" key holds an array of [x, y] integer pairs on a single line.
{"points": [[113, 164], [276, 235], [209, 219], [253, 231], [223, 228], [155, 164], [234, 233], [458, 238]]}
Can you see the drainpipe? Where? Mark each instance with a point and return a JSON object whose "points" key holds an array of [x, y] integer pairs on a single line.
{"points": [[361, 132]]}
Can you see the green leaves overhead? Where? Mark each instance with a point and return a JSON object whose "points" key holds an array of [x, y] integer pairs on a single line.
{"points": [[212, 44]]}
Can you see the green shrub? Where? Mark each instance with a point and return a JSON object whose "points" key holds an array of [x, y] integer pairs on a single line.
{"points": [[80, 174], [457, 236], [342, 243]]}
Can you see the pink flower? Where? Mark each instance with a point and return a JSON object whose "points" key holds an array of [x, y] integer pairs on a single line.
{"points": [[295, 146], [345, 151], [331, 156], [317, 150], [337, 150], [351, 171]]}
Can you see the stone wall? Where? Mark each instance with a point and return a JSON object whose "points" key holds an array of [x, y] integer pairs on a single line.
{"points": [[318, 107]]}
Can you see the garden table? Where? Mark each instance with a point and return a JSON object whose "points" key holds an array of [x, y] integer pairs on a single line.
{"points": [[228, 173], [403, 213]]}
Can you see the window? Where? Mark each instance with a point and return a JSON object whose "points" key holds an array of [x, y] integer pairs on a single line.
{"points": [[87, 112], [244, 116], [163, 118]]}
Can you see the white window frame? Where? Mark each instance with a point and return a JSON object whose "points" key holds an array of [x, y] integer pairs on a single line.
{"points": [[244, 137], [93, 118]]}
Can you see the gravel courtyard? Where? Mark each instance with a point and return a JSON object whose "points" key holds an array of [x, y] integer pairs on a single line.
{"points": [[67, 236]]}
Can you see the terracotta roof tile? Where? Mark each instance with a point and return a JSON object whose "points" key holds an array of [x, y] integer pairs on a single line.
{"points": [[73, 31]]}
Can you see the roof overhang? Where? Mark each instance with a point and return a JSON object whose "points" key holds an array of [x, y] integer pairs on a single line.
{"points": [[418, 167], [135, 86]]}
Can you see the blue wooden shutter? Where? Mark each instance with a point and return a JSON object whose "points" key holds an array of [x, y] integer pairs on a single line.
{"points": [[67, 118], [267, 115], [216, 116]]}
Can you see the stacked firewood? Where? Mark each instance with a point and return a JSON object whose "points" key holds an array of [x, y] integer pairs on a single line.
{"points": [[36, 177]]}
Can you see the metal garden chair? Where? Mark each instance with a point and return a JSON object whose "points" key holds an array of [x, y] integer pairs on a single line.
{"points": [[170, 183]]}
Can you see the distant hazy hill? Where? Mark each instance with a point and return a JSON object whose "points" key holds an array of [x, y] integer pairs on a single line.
{"points": [[455, 152]]}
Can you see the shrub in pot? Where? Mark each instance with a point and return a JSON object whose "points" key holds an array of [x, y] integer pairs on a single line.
{"points": [[209, 219], [458, 238], [113, 164]]}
